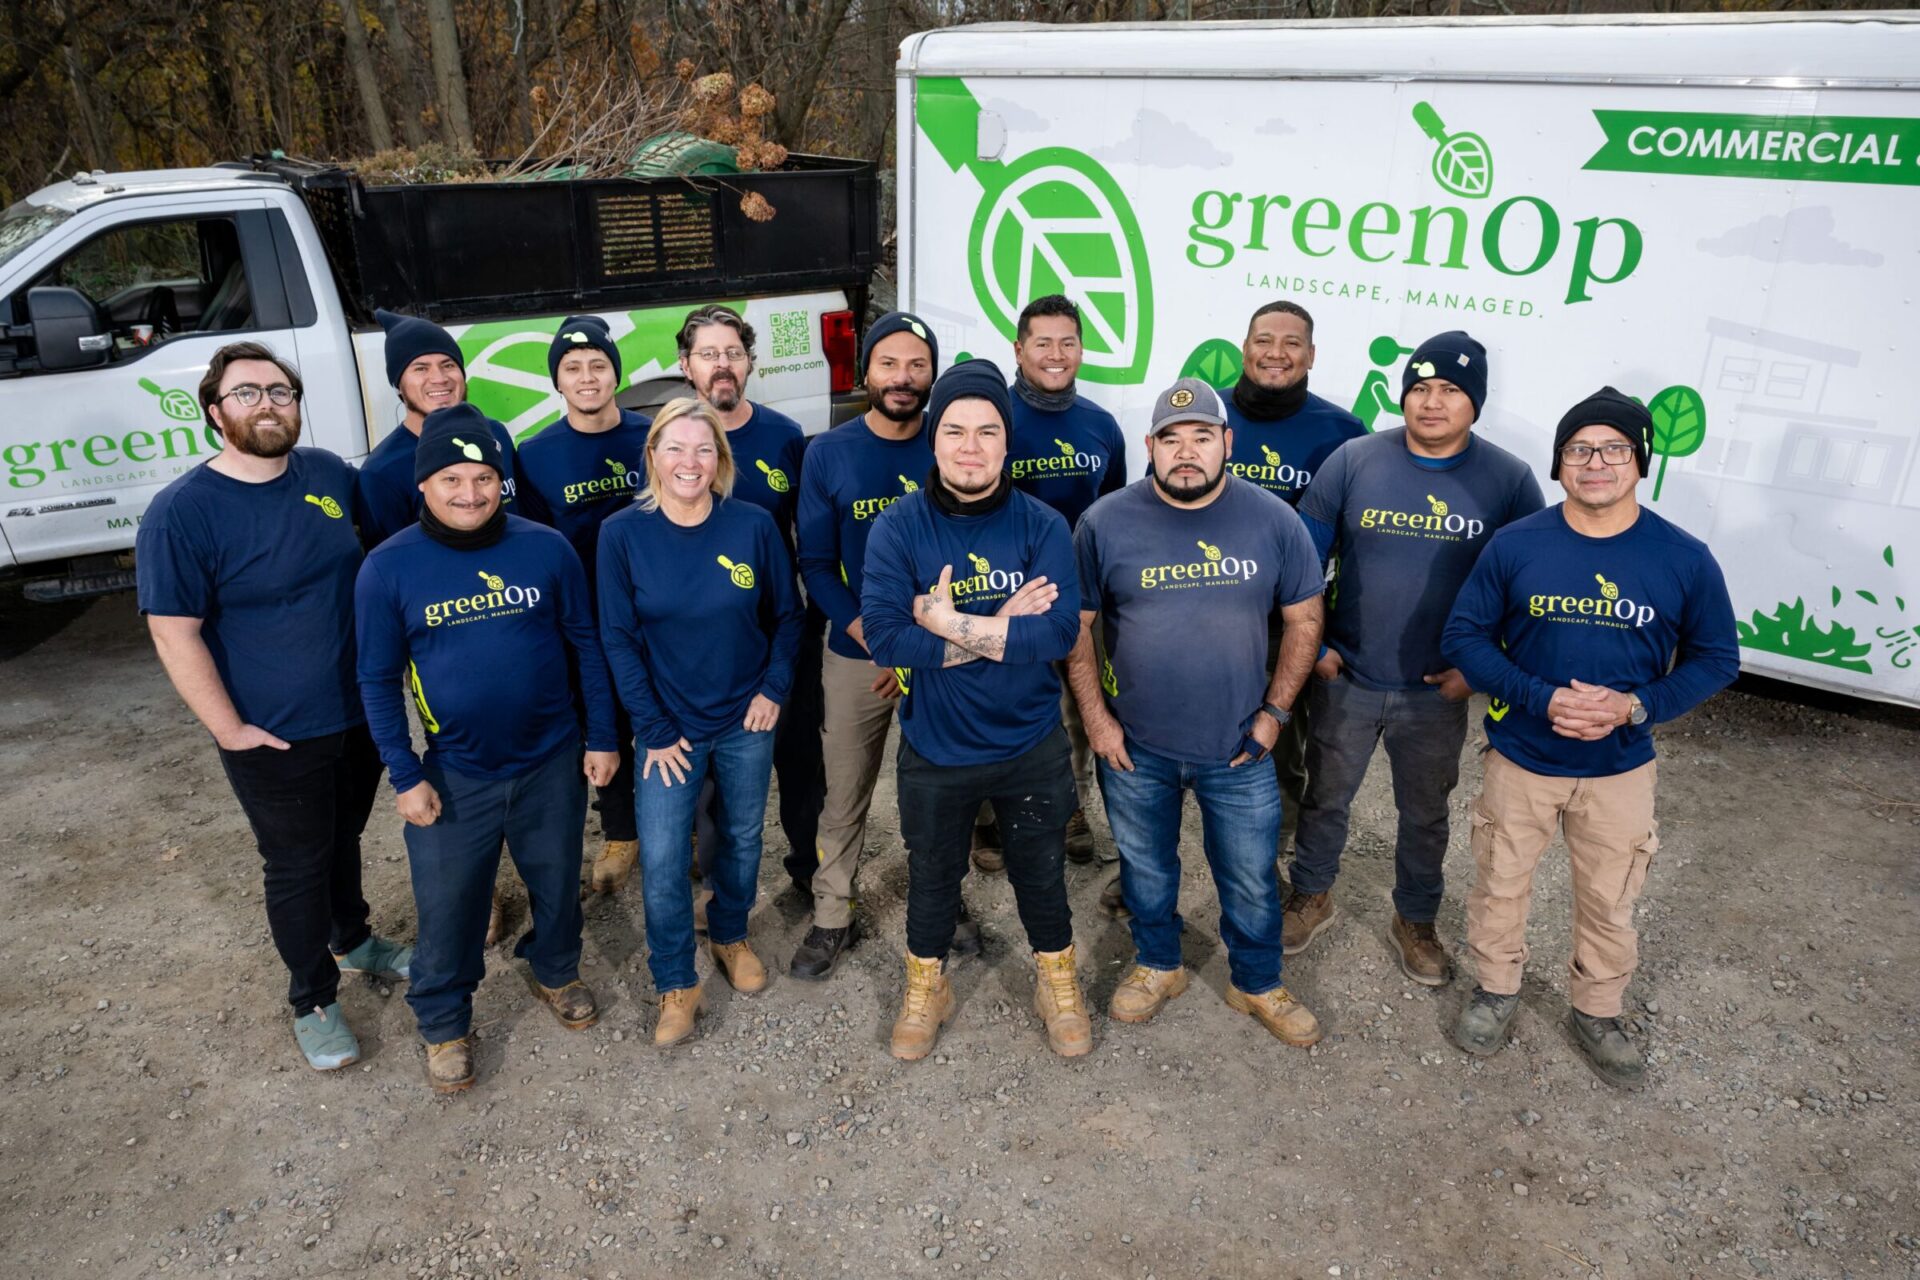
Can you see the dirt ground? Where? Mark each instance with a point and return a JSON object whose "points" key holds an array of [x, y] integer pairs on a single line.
{"points": [[156, 1118]]}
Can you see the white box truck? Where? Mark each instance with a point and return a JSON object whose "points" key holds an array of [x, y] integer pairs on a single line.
{"points": [[1720, 217], [115, 289]]}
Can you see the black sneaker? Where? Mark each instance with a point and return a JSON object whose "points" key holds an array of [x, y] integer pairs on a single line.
{"points": [[1482, 1027], [966, 934], [1608, 1051], [819, 951]]}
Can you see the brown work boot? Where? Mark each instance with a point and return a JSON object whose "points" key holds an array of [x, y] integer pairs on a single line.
{"points": [[924, 1009], [1113, 900], [614, 865], [1079, 837], [1145, 992], [1304, 917], [450, 1065], [739, 966], [1061, 1004], [497, 919], [987, 854], [1279, 1013], [677, 1012], [1422, 958], [573, 1004]]}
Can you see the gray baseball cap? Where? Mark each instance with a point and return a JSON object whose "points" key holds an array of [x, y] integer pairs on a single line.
{"points": [[1188, 400]]}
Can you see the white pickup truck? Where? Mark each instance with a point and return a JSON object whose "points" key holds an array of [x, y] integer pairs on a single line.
{"points": [[115, 289]]}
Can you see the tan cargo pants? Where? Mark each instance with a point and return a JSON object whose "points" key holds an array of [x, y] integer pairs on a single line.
{"points": [[1611, 839], [853, 740]]}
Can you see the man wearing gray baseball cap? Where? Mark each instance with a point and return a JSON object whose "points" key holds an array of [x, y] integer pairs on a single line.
{"points": [[1183, 569]]}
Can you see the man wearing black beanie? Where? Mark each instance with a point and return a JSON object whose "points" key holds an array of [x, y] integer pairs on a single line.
{"points": [[1587, 624], [1406, 511]]}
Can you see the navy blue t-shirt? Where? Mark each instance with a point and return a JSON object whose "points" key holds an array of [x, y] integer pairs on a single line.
{"points": [[388, 497], [1545, 606], [268, 569], [1067, 458], [485, 639], [697, 620], [851, 476], [1184, 596], [979, 712], [1407, 535], [582, 477], [766, 465]]}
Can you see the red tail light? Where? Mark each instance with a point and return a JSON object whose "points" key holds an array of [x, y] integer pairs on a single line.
{"points": [[842, 349]]}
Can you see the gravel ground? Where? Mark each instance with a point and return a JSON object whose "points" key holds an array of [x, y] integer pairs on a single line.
{"points": [[158, 1120]]}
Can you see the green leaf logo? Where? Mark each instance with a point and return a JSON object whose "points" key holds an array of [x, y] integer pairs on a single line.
{"points": [[1679, 427], [176, 404], [1051, 221], [1462, 164], [1215, 362]]}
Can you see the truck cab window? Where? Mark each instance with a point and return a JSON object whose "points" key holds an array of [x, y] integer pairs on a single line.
{"points": [[158, 280]]}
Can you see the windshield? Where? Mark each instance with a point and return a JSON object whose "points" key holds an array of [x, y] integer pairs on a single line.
{"points": [[25, 223]]}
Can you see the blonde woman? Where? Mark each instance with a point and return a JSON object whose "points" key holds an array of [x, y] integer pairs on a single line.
{"points": [[700, 618]]}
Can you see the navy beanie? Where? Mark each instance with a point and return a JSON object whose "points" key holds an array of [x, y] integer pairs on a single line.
{"points": [[1606, 408], [576, 332], [458, 433], [409, 338], [1454, 356], [971, 378], [898, 322]]}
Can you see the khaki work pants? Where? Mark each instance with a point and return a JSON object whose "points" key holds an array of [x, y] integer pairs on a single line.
{"points": [[853, 739], [1611, 839]]}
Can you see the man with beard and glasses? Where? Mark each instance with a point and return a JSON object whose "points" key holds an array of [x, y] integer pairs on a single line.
{"points": [[246, 570], [582, 469], [426, 367], [853, 473], [1183, 569], [716, 358], [487, 619]]}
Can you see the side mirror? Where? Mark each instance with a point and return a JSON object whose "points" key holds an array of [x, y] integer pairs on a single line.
{"points": [[67, 329]]}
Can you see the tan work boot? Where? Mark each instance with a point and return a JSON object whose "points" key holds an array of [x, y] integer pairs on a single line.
{"points": [[1279, 1013], [1145, 992], [1303, 918], [450, 1065], [1079, 837], [614, 866], [924, 1009], [573, 1004], [1422, 958], [739, 966], [677, 1012], [1061, 1004]]}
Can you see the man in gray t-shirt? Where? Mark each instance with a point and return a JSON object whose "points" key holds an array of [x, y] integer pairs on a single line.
{"points": [[1183, 569]]}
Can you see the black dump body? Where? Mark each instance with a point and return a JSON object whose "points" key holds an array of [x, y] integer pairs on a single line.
{"points": [[464, 251]]}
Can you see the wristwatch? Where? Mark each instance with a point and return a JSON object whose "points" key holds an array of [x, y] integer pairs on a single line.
{"points": [[1279, 715], [1636, 709]]}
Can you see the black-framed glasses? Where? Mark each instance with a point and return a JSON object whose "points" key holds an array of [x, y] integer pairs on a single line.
{"points": [[714, 355], [249, 395], [1614, 453]]}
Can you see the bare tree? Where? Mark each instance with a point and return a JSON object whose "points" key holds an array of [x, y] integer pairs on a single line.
{"points": [[365, 78], [449, 76], [406, 75]]}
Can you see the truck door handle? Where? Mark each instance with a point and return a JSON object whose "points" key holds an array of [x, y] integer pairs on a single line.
{"points": [[96, 342]]}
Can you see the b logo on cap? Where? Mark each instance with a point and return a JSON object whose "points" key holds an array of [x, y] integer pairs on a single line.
{"points": [[1181, 398]]}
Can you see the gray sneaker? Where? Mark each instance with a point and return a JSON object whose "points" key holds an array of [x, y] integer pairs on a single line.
{"points": [[326, 1039], [380, 957], [1608, 1051], [1482, 1027]]}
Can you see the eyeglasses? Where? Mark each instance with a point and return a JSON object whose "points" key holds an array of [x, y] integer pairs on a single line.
{"points": [[249, 395], [713, 355], [1614, 453]]}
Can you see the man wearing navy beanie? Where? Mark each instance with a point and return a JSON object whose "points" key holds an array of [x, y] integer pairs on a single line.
{"points": [[1407, 511]]}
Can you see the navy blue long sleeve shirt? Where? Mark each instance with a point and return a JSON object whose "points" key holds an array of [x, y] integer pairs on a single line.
{"points": [[1067, 458], [983, 711], [487, 640], [1545, 605], [582, 477], [767, 452], [851, 476], [387, 498], [697, 619]]}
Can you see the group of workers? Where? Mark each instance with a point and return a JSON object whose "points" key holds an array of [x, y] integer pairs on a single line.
{"points": [[677, 610]]}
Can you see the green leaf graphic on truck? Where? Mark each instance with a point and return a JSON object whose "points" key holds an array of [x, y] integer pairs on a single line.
{"points": [[1793, 631], [1050, 221], [1462, 164], [1679, 428]]}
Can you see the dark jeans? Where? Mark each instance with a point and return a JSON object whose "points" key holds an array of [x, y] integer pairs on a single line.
{"points": [[307, 806], [1033, 794], [797, 760], [540, 815], [614, 802], [1290, 749], [1423, 734]]}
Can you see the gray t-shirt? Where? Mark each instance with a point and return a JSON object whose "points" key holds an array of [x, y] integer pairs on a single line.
{"points": [[1184, 596], [1407, 535]]}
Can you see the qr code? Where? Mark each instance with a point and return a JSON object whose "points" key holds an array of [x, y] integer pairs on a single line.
{"points": [[790, 337]]}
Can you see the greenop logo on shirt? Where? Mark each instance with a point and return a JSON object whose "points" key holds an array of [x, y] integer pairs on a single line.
{"points": [[1216, 568], [500, 599], [985, 582], [1050, 221], [622, 479], [907, 486], [741, 574], [776, 478], [1068, 462], [1610, 608], [327, 505], [1439, 521], [1272, 472]]}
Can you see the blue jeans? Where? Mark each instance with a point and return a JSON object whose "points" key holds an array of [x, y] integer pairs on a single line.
{"points": [[540, 815], [741, 765], [1239, 822]]}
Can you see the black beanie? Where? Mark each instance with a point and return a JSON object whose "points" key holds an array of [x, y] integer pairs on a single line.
{"points": [[458, 433], [1606, 408], [576, 332], [898, 322], [971, 378], [1454, 356], [409, 338]]}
